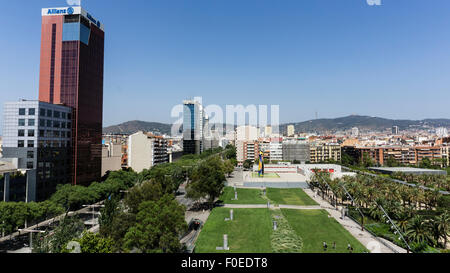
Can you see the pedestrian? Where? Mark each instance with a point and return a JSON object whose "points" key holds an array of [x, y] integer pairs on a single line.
{"points": [[334, 245], [348, 247], [325, 246]]}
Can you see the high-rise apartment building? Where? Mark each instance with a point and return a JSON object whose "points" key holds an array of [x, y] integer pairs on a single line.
{"points": [[71, 73]]}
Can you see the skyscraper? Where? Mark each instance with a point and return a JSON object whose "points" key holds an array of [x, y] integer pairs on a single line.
{"points": [[193, 119], [71, 73]]}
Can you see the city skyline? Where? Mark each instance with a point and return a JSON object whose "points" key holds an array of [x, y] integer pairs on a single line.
{"points": [[263, 53]]}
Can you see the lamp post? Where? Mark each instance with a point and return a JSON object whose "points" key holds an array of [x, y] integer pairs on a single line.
{"points": [[31, 231], [394, 226], [93, 211], [360, 212]]}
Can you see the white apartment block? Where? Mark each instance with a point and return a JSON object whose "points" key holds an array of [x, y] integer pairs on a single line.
{"points": [[276, 151], [146, 151]]}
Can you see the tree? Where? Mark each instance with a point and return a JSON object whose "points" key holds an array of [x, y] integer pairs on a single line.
{"points": [[391, 162], [230, 152], [248, 164], [425, 163], [367, 161], [147, 191], [228, 167], [208, 180], [107, 215], [94, 243], [69, 229], [158, 228], [418, 230], [442, 224]]}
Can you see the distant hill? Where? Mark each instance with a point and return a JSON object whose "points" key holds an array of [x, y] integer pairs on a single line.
{"points": [[131, 127], [318, 125], [363, 122]]}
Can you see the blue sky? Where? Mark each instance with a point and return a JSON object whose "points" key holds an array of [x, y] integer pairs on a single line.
{"points": [[336, 57]]}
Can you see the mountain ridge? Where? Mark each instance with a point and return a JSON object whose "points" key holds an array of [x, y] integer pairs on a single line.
{"points": [[316, 125]]}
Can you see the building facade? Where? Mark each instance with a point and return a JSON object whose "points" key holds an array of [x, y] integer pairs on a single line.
{"points": [[193, 119], [295, 150], [290, 130], [38, 136], [146, 151], [111, 157], [71, 73], [325, 152]]}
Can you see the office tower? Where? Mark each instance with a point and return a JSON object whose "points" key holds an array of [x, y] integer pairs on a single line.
{"points": [[193, 119], [71, 73], [37, 136]]}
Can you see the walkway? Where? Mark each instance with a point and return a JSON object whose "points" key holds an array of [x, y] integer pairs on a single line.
{"points": [[372, 243], [264, 206]]}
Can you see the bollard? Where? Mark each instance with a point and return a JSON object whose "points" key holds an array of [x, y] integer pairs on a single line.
{"points": [[275, 225], [231, 215]]}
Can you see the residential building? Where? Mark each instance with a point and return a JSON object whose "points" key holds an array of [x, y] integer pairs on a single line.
{"points": [[146, 150], [355, 132], [325, 152], [395, 130], [71, 73], [247, 133], [276, 149], [267, 131], [296, 150], [121, 139], [290, 130], [111, 157]]}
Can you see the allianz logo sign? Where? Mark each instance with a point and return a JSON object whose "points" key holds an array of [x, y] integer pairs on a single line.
{"points": [[60, 11], [93, 20]]}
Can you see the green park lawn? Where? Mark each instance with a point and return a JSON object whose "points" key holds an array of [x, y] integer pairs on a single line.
{"points": [[314, 227], [245, 196], [290, 197], [249, 232], [267, 175]]}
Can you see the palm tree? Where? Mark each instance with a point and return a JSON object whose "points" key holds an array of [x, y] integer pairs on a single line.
{"points": [[418, 230], [443, 227]]}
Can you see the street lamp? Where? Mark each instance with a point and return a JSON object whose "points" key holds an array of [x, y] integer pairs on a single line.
{"points": [[394, 226], [31, 231], [360, 212], [93, 211]]}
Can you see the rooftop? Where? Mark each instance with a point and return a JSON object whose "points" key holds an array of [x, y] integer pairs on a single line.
{"points": [[408, 170]]}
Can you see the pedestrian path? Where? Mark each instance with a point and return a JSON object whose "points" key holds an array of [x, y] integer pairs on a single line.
{"points": [[259, 206], [372, 243]]}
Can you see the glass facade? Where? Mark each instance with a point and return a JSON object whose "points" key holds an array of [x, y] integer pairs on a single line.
{"points": [[80, 46]]}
